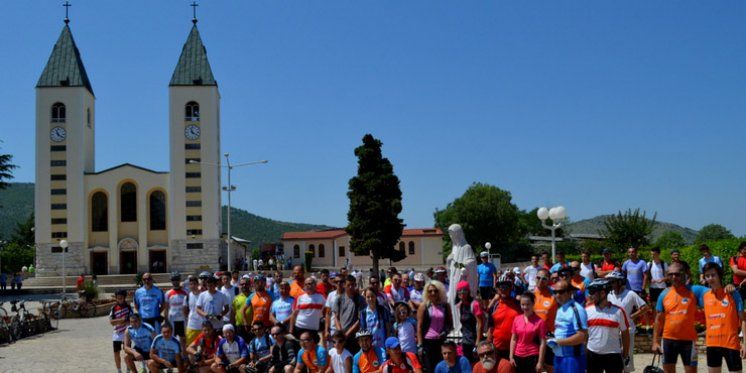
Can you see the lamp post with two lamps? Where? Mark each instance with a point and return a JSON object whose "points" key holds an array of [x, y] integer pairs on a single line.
{"points": [[229, 188], [556, 214]]}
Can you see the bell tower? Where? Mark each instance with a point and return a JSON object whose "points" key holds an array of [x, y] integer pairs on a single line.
{"points": [[194, 133], [65, 127]]}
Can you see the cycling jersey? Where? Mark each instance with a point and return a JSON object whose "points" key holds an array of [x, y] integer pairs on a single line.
{"points": [[194, 320], [149, 302], [229, 352], [312, 360], [408, 366], [416, 295], [119, 311], [398, 295], [309, 311], [629, 301], [546, 307], [367, 362], [282, 308], [570, 319], [604, 326], [486, 272], [238, 302], [166, 349], [501, 322], [296, 289], [680, 305], [260, 306], [213, 304], [209, 346], [260, 346], [175, 299], [142, 337], [722, 312]]}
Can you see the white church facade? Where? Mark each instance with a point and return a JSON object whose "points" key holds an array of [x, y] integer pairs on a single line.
{"points": [[126, 219]]}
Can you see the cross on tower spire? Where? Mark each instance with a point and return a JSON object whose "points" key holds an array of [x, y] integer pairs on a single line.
{"points": [[194, 6], [67, 6]]}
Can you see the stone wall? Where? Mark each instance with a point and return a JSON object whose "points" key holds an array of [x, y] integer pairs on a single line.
{"points": [[193, 260], [50, 264]]}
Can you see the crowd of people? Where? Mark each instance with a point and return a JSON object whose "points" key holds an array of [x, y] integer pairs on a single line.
{"points": [[549, 316]]}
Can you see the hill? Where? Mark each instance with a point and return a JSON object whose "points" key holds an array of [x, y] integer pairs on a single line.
{"points": [[594, 225], [17, 203]]}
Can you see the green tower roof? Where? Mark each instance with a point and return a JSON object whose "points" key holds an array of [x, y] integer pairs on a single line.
{"points": [[65, 67], [193, 67]]}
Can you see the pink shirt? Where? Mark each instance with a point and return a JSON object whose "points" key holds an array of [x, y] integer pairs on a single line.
{"points": [[437, 322], [529, 335]]}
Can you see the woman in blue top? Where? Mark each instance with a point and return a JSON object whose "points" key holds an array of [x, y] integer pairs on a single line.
{"points": [[375, 318]]}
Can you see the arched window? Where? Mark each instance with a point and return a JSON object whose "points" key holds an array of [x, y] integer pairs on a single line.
{"points": [[312, 249], [191, 111], [411, 248], [99, 212], [296, 251], [402, 246], [157, 211], [128, 202], [58, 113], [322, 250]]}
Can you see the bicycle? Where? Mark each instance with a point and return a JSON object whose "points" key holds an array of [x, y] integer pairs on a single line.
{"points": [[6, 336], [26, 319], [49, 315]]}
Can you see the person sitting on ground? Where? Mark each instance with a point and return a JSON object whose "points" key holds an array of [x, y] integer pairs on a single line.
{"points": [[340, 358], [400, 361], [312, 356], [232, 352], [259, 348], [284, 352], [202, 350], [138, 339], [452, 362], [165, 353], [369, 359]]}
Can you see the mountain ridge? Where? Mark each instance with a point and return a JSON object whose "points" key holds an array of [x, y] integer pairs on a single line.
{"points": [[595, 224]]}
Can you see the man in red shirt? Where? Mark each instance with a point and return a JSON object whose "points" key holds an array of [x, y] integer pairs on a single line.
{"points": [[500, 322], [488, 361], [546, 261], [608, 265], [738, 265], [324, 287]]}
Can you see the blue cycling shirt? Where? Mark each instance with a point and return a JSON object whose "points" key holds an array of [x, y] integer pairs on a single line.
{"points": [[167, 349], [149, 302], [142, 337]]}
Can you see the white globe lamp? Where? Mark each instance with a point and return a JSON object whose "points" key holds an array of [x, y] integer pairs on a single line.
{"points": [[542, 213]]}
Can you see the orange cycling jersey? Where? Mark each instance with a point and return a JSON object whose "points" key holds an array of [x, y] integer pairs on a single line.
{"points": [[722, 312], [296, 290], [545, 307], [679, 305], [260, 305]]}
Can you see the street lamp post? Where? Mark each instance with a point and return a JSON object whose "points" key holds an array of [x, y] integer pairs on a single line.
{"points": [[63, 245], [556, 214], [229, 188]]}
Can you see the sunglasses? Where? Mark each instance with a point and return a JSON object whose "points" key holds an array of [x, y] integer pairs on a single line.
{"points": [[486, 354], [432, 291], [561, 291], [543, 278], [674, 274]]}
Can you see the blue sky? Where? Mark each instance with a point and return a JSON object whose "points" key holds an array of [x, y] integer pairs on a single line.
{"points": [[599, 106]]}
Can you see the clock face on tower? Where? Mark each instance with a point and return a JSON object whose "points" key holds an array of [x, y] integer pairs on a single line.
{"points": [[191, 132], [57, 134]]}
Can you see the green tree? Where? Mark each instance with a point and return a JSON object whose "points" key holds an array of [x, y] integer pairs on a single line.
{"points": [[375, 203], [532, 225], [15, 256], [712, 232], [486, 214], [6, 169], [628, 229], [24, 232], [670, 240]]}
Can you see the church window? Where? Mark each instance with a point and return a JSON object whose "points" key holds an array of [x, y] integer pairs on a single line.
{"points": [[191, 111], [193, 175], [402, 246], [341, 250], [59, 234], [59, 220], [194, 246], [322, 250], [192, 146], [58, 163], [189, 160], [128, 202], [59, 192], [193, 203], [58, 148], [58, 113], [99, 212], [296, 251], [58, 177], [194, 218], [193, 189], [59, 206], [157, 211], [194, 232], [411, 248]]}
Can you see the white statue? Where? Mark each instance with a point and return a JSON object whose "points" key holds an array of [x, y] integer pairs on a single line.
{"points": [[462, 265]]}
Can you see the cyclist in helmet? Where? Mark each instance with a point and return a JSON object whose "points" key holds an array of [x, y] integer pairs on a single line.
{"points": [[608, 330], [368, 359]]}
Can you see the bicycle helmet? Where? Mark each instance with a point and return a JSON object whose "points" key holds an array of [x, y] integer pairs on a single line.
{"points": [[259, 278], [599, 284], [363, 333], [175, 276], [204, 275], [616, 275]]}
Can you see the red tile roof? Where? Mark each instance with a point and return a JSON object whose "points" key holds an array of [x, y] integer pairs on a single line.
{"points": [[336, 233]]}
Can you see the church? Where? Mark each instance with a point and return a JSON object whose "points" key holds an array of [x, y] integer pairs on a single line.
{"points": [[127, 218]]}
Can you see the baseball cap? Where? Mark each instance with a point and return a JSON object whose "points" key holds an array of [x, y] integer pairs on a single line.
{"points": [[516, 270], [605, 251], [462, 285], [484, 254], [392, 342], [440, 269], [419, 277]]}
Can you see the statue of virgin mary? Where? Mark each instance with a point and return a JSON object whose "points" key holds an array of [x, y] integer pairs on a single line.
{"points": [[462, 266]]}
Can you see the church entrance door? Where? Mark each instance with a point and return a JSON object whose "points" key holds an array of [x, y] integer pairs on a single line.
{"points": [[100, 263], [158, 261], [128, 262]]}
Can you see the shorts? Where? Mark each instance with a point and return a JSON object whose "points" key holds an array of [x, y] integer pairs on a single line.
{"points": [[715, 356], [610, 363], [569, 363], [178, 328], [145, 354], [654, 294], [741, 291], [117, 346], [191, 335], [155, 322], [673, 348], [486, 292]]}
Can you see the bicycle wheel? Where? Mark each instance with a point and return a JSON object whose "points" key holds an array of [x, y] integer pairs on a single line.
{"points": [[16, 329], [87, 309]]}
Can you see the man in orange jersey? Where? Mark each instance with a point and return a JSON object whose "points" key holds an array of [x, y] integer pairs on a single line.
{"points": [[675, 321], [299, 279], [723, 318], [546, 308], [369, 359]]}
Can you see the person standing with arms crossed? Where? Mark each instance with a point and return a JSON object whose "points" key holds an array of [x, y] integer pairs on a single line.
{"points": [[724, 318]]}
